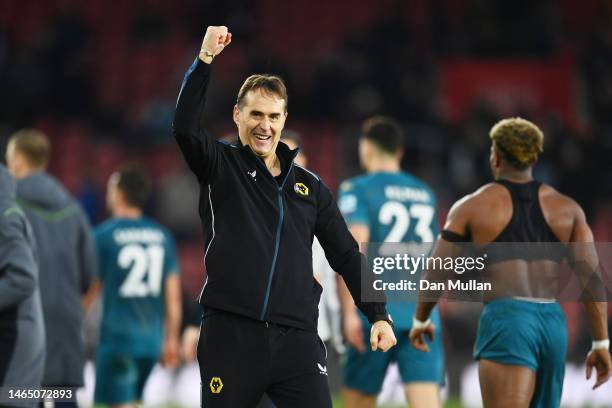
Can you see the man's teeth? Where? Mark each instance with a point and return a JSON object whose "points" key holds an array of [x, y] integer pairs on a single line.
{"points": [[262, 137]]}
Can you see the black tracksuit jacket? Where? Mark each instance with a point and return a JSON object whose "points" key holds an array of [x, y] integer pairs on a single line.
{"points": [[259, 231]]}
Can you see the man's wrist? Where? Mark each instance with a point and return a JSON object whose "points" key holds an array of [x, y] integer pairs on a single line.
{"points": [[600, 344], [383, 318], [206, 56], [419, 324]]}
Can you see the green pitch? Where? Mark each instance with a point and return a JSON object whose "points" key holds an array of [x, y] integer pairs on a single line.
{"points": [[452, 403]]}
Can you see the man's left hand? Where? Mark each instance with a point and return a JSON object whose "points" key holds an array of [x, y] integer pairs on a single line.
{"points": [[382, 336], [600, 361]]}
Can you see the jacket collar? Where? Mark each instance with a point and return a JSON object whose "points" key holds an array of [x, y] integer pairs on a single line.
{"points": [[285, 154]]}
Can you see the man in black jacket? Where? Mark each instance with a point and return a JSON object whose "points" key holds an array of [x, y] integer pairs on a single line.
{"points": [[260, 212]]}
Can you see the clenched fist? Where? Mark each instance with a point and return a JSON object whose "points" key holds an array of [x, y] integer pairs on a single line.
{"points": [[417, 336], [382, 336], [215, 40]]}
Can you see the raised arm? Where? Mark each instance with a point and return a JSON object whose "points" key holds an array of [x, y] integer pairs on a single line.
{"points": [[197, 146]]}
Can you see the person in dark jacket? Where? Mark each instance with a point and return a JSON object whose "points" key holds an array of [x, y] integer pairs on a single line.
{"points": [[66, 252], [22, 331], [260, 213]]}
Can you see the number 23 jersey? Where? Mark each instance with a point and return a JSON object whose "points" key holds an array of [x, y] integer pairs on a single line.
{"points": [[396, 207], [136, 256]]}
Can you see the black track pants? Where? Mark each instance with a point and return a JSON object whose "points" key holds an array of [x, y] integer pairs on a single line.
{"points": [[241, 358]]}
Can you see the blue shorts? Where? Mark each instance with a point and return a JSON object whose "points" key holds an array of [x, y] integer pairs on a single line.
{"points": [[532, 335], [366, 371], [121, 378]]}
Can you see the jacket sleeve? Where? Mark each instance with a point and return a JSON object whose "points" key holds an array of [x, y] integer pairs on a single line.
{"points": [[344, 257], [88, 260], [18, 269], [199, 148]]}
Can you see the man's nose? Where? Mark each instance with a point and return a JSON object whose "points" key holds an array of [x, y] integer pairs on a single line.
{"points": [[265, 124]]}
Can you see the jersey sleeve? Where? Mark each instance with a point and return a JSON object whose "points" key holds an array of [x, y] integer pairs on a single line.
{"points": [[351, 202], [171, 264]]}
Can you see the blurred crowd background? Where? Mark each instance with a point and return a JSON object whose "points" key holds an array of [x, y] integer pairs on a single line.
{"points": [[101, 79]]}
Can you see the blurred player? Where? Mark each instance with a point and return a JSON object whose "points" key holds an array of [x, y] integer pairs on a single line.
{"points": [[388, 205], [66, 252], [522, 337], [22, 331], [141, 313]]}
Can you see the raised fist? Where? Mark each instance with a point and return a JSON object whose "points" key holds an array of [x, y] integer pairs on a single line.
{"points": [[215, 40]]}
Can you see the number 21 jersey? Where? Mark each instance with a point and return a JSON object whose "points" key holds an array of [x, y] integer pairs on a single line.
{"points": [[136, 256]]}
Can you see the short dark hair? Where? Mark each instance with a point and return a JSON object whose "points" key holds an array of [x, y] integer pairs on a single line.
{"points": [[135, 185], [270, 84], [34, 145], [385, 132]]}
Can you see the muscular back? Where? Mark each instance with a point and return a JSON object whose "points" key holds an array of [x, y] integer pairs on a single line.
{"points": [[484, 214], [483, 217]]}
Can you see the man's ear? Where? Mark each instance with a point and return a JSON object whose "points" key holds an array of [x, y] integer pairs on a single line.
{"points": [[18, 163], [497, 158], [118, 196], [236, 114]]}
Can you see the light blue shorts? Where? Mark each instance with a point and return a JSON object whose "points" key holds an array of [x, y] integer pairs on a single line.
{"points": [[121, 378], [527, 334], [366, 371]]}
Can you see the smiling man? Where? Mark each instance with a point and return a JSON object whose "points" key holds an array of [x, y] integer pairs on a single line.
{"points": [[260, 125], [260, 212]]}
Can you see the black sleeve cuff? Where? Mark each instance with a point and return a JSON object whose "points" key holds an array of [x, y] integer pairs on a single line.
{"points": [[386, 317], [451, 236], [377, 311]]}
